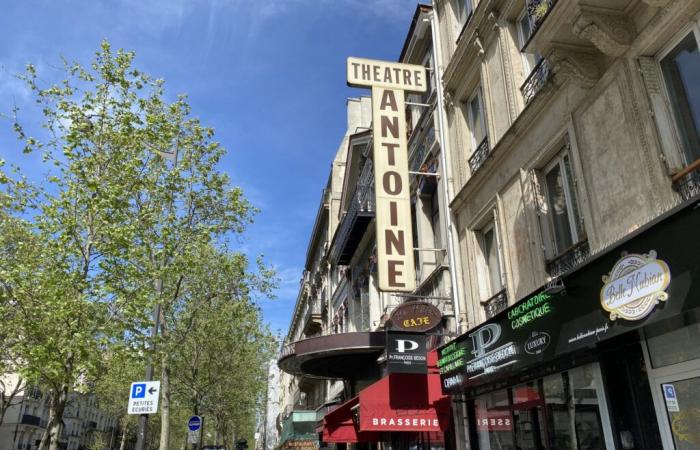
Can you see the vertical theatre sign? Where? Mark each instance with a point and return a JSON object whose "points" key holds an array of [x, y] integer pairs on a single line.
{"points": [[389, 82]]}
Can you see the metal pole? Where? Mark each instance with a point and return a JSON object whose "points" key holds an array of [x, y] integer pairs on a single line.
{"points": [[445, 160], [143, 418]]}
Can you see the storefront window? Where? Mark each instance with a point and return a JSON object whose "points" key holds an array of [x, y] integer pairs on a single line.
{"points": [[494, 422], [559, 412], [528, 417], [668, 341]]}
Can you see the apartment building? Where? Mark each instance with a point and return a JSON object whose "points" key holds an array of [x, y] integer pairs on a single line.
{"points": [[555, 178], [573, 131], [334, 354], [26, 420]]}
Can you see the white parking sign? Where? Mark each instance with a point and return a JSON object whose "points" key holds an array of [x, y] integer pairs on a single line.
{"points": [[143, 397]]}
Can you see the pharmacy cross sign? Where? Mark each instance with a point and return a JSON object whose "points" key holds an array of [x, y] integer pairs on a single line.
{"points": [[389, 82], [143, 397]]}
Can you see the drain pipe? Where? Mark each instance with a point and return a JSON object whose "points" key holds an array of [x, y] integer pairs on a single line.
{"points": [[452, 235]]}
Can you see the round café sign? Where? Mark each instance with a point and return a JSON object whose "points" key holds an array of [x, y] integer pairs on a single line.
{"points": [[416, 316], [634, 286]]}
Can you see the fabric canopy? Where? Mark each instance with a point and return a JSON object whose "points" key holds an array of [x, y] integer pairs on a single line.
{"points": [[397, 402], [339, 425], [405, 402]]}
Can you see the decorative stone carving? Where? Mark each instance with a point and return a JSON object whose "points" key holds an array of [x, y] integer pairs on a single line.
{"points": [[568, 64], [479, 46], [448, 99], [610, 34]]}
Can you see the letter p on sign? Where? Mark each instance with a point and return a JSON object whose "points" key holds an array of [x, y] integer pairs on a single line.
{"points": [[138, 391], [403, 345]]}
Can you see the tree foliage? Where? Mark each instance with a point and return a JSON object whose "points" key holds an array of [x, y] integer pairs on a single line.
{"points": [[134, 212]]}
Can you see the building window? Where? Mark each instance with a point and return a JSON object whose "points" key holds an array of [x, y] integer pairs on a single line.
{"points": [[476, 118], [524, 32], [465, 9], [435, 219], [560, 216], [492, 275], [681, 72]]}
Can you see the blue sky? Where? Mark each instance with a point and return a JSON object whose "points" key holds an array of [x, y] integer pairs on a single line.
{"points": [[268, 75]]}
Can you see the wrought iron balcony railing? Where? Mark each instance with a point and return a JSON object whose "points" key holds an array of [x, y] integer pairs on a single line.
{"points": [[687, 181], [360, 210], [480, 155], [536, 80], [496, 304], [340, 294], [573, 257]]}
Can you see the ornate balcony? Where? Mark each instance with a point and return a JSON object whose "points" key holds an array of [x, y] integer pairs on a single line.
{"points": [[480, 155], [573, 257], [358, 216], [687, 181], [537, 79], [496, 304]]}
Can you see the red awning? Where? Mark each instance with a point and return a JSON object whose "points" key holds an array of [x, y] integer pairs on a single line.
{"points": [[339, 426], [397, 402], [405, 402]]}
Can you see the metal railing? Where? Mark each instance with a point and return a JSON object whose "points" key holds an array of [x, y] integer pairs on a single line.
{"points": [[687, 181], [419, 153], [364, 311], [536, 80], [573, 257], [362, 201], [496, 304], [340, 294], [480, 155]]}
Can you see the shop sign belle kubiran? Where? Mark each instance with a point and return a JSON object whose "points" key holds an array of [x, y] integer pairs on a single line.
{"points": [[389, 83]]}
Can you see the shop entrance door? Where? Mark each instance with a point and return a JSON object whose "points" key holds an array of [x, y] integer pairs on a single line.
{"points": [[677, 400], [672, 357]]}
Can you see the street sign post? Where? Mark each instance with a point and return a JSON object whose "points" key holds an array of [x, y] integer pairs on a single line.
{"points": [[195, 423], [143, 397], [194, 429]]}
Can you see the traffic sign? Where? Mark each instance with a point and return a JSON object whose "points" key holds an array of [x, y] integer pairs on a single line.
{"points": [[143, 397], [193, 437], [195, 423]]}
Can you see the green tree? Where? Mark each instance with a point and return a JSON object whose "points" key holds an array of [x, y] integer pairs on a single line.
{"points": [[223, 347], [133, 194]]}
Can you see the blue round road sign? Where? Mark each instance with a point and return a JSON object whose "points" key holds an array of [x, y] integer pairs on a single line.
{"points": [[195, 423]]}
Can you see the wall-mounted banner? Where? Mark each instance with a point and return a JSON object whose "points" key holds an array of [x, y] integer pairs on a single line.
{"points": [[416, 316], [406, 353], [636, 287], [389, 82]]}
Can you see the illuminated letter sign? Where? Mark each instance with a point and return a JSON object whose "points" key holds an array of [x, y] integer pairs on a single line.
{"points": [[389, 81]]}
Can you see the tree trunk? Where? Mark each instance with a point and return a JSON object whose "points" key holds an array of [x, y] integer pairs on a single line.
{"points": [[7, 400], [165, 405], [55, 426], [125, 434]]}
